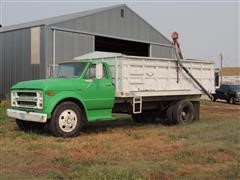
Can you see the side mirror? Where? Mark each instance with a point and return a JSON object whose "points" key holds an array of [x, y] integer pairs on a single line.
{"points": [[99, 71]]}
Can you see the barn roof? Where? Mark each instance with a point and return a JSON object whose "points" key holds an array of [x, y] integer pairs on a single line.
{"points": [[63, 18], [57, 19]]}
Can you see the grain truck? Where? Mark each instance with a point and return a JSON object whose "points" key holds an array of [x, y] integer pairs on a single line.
{"points": [[94, 86]]}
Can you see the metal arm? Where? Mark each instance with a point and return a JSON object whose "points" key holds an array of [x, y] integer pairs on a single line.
{"points": [[178, 56]]}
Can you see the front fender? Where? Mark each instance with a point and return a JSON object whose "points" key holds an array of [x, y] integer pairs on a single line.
{"points": [[51, 101]]}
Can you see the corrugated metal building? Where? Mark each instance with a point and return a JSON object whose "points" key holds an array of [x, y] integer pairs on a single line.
{"points": [[29, 50]]}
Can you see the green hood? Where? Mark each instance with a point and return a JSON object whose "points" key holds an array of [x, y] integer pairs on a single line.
{"points": [[48, 84]]}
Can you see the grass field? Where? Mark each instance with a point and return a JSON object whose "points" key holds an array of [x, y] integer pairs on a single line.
{"points": [[122, 149]]}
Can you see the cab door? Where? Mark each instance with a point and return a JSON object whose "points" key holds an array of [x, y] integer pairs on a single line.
{"points": [[98, 93]]}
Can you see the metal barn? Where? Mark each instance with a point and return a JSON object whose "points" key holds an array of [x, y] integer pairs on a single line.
{"points": [[29, 50]]}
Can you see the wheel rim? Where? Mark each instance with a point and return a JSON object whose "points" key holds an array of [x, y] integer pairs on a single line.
{"points": [[67, 120], [185, 114]]}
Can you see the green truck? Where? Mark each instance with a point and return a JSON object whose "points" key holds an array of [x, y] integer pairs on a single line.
{"points": [[91, 88]]}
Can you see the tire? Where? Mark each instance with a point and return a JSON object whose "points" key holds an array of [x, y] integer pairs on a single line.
{"points": [[183, 112], [67, 120], [28, 126], [169, 113], [231, 100]]}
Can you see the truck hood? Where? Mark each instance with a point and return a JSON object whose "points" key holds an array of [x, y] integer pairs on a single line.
{"points": [[48, 84]]}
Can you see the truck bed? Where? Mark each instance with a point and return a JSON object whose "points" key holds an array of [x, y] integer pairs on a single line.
{"points": [[135, 76]]}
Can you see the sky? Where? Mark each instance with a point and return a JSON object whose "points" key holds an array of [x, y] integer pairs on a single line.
{"points": [[206, 28]]}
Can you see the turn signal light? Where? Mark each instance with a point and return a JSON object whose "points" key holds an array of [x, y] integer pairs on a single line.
{"points": [[50, 94]]}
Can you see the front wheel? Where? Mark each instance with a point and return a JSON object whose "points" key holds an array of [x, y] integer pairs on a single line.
{"points": [[67, 120], [231, 100]]}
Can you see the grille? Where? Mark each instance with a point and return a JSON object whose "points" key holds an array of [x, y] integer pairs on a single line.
{"points": [[27, 103], [27, 94], [27, 99]]}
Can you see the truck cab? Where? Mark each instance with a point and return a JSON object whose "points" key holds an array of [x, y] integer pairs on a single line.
{"points": [[228, 92], [77, 92]]}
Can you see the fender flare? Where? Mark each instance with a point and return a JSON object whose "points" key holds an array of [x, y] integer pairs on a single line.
{"points": [[55, 100]]}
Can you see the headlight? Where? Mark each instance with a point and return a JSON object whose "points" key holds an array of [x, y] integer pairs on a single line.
{"points": [[40, 99], [13, 98]]}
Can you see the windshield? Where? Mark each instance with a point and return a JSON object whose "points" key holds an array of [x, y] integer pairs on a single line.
{"points": [[68, 70], [235, 88]]}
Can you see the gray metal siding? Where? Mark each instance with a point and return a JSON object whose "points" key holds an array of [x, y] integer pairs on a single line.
{"points": [[1, 66], [160, 51], [67, 46], [70, 45], [16, 59], [111, 23]]}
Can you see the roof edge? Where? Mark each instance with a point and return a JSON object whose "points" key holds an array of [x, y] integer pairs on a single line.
{"points": [[57, 19]]}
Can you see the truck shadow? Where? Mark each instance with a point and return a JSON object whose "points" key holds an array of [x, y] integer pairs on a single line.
{"points": [[98, 126], [109, 125]]}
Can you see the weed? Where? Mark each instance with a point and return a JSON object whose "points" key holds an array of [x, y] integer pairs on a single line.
{"points": [[55, 175], [103, 173], [211, 159], [134, 135], [2, 133], [178, 136], [63, 161], [182, 155]]}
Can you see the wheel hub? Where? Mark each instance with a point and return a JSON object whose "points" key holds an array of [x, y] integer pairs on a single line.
{"points": [[67, 120]]}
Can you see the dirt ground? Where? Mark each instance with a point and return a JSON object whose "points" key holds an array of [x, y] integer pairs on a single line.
{"points": [[220, 110], [122, 149]]}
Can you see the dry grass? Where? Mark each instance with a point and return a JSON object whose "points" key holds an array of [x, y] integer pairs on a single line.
{"points": [[122, 149]]}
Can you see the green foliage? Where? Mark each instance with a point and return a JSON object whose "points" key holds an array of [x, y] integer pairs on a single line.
{"points": [[56, 175], [96, 172], [63, 161], [3, 115]]}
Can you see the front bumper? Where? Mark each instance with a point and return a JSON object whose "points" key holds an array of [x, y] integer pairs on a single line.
{"points": [[27, 116]]}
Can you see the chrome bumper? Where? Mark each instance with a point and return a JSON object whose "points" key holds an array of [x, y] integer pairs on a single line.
{"points": [[27, 116]]}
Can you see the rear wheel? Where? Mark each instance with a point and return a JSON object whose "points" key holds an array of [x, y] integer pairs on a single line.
{"points": [[67, 120], [169, 112], [29, 126], [183, 112]]}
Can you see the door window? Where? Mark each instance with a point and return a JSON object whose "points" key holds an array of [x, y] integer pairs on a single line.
{"points": [[91, 72], [105, 75]]}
